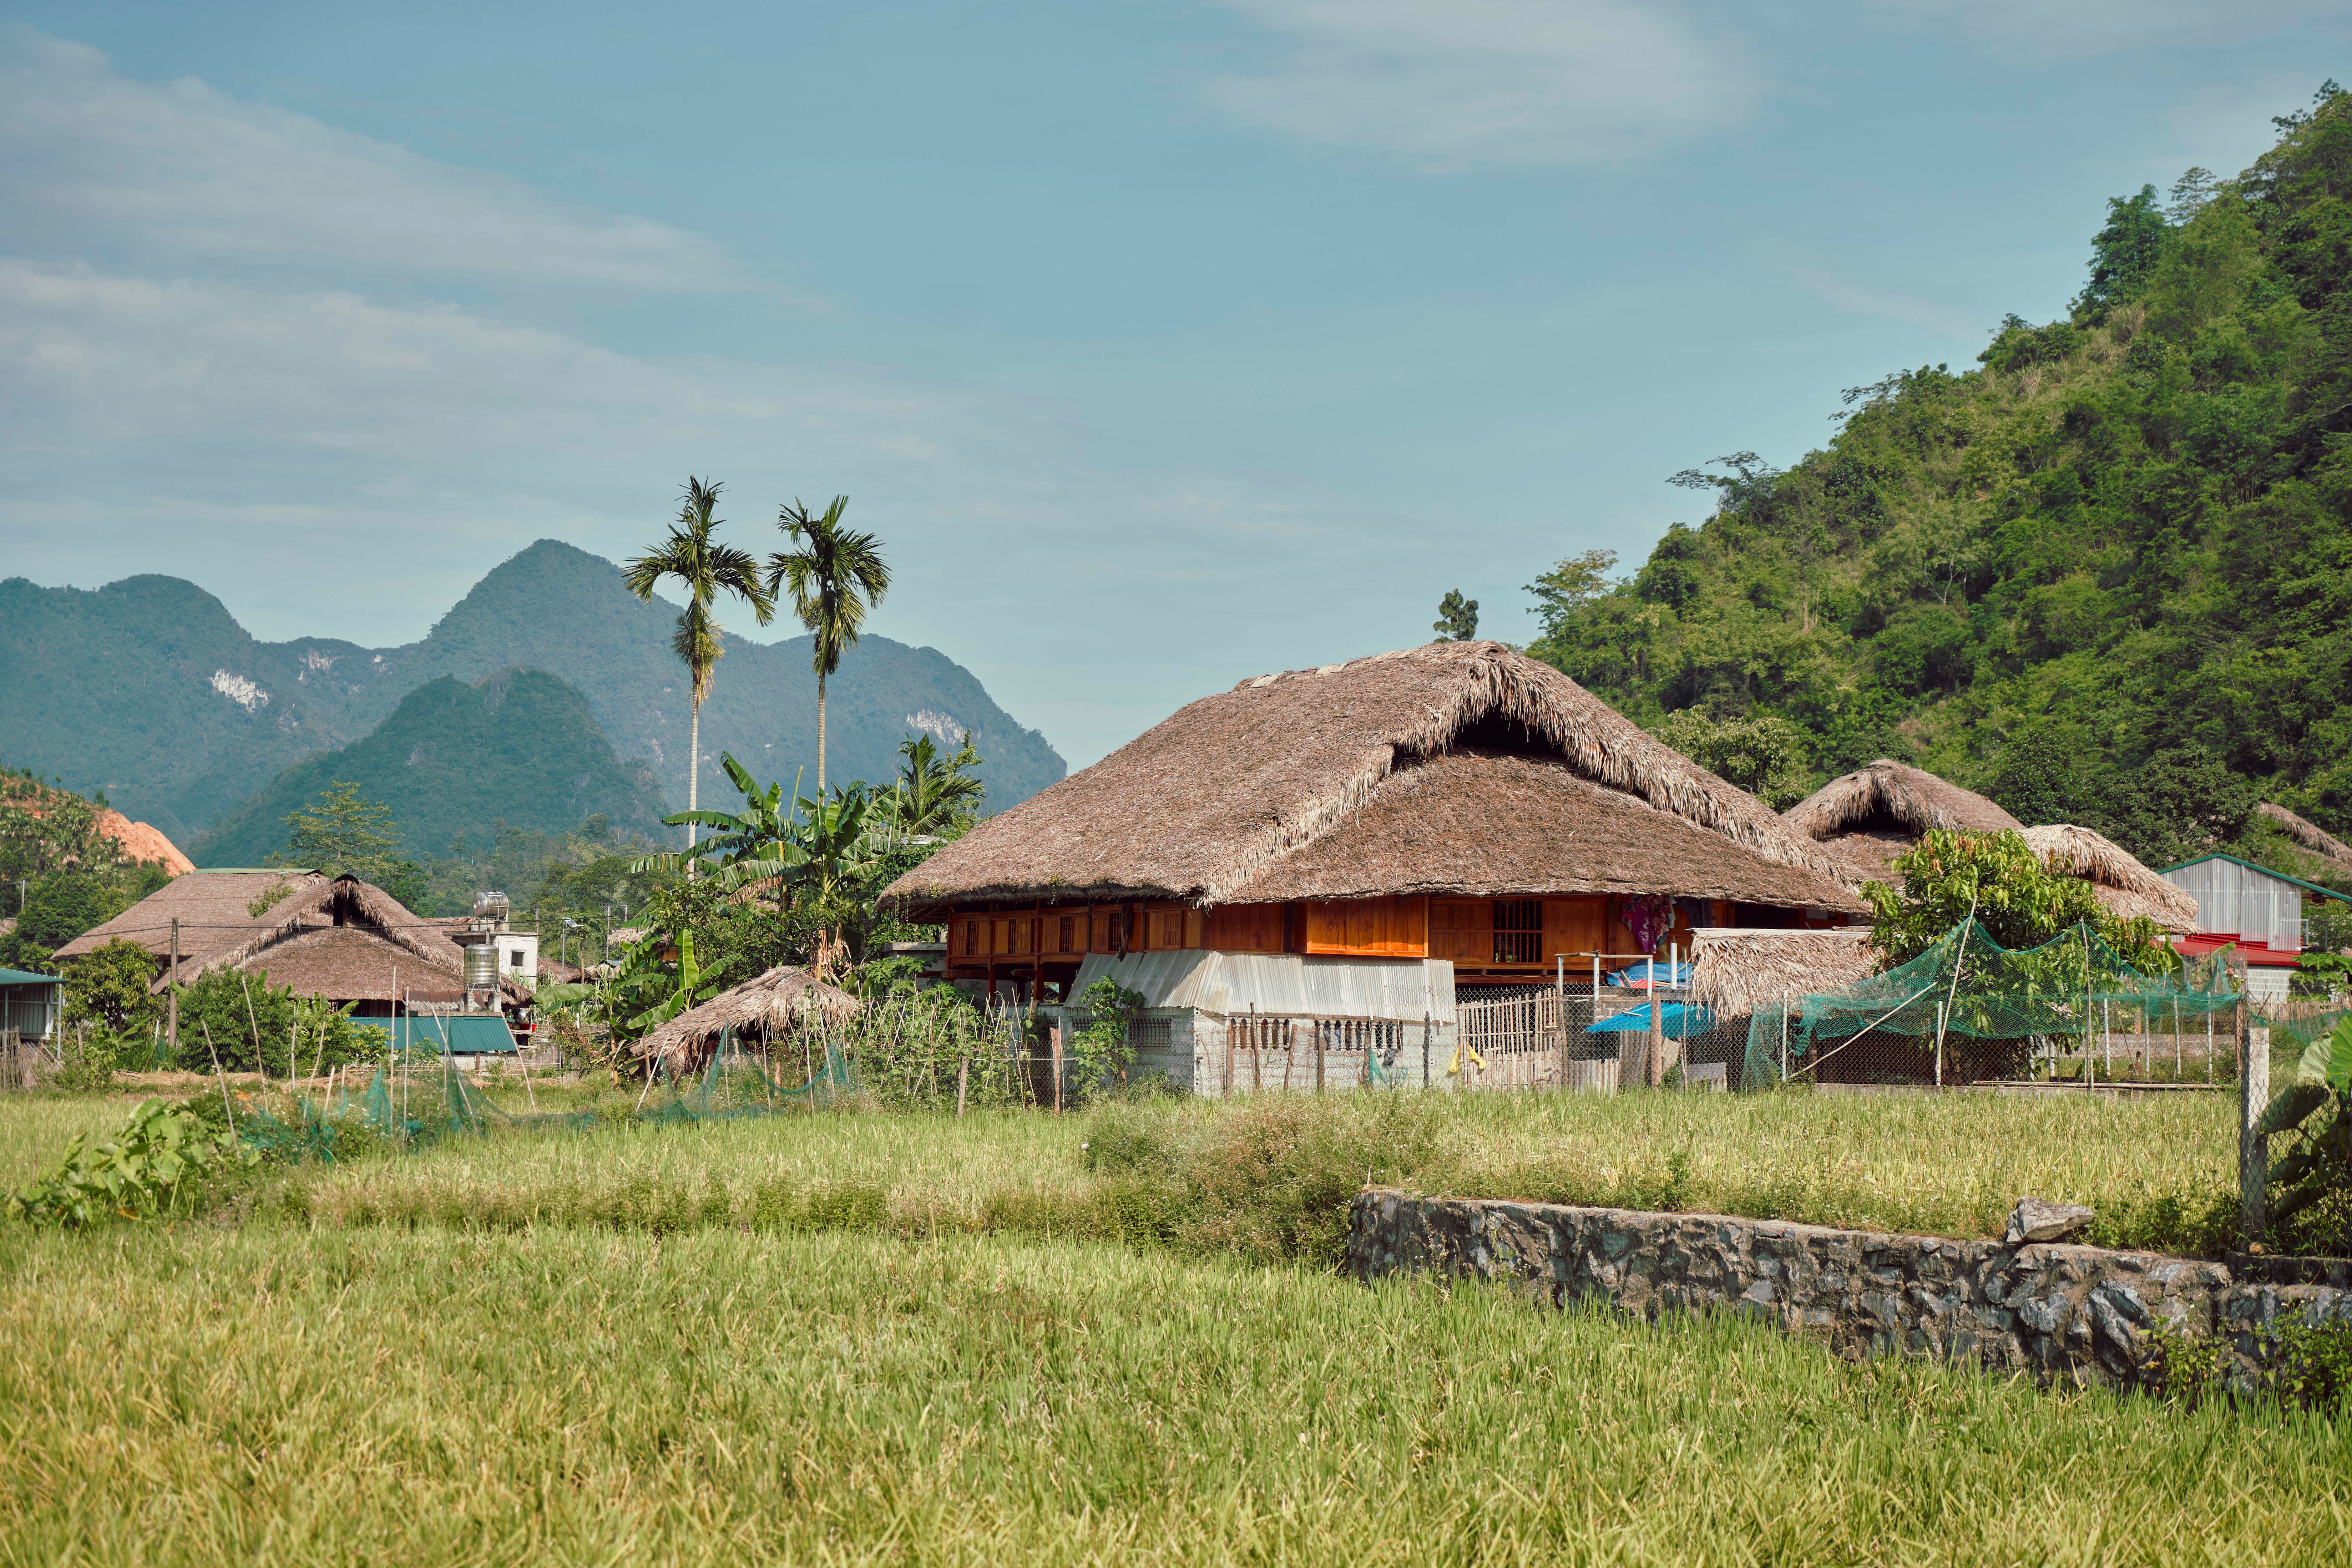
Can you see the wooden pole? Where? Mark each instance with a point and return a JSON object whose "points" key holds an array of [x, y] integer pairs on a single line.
{"points": [[2253, 1147], [172, 995], [1560, 1012], [964, 1079], [1320, 1031], [1654, 1070], [1054, 1036]]}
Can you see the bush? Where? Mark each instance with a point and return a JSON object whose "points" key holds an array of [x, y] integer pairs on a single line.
{"points": [[160, 1163]]}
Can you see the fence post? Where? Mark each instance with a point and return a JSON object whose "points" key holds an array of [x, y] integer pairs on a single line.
{"points": [[1054, 1036], [1320, 1031], [2253, 1148], [1425, 1050], [1654, 1072]]}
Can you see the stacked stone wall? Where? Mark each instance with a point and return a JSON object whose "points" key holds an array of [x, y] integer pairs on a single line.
{"points": [[2062, 1313]]}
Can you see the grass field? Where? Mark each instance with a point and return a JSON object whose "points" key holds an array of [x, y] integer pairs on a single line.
{"points": [[600, 1348]]}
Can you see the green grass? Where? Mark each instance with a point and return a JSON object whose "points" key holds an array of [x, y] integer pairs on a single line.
{"points": [[381, 1395], [1272, 1180]]}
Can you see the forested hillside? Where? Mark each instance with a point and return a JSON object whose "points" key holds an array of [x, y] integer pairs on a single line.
{"points": [[519, 748], [2105, 575]]}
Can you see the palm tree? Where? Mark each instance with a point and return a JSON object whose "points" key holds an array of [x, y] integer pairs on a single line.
{"points": [[835, 576], [704, 569], [933, 795]]}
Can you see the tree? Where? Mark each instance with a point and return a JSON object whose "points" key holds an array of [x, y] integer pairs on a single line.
{"points": [[704, 569], [835, 576], [344, 833], [2124, 254], [1763, 755], [109, 987], [1570, 585], [2180, 803], [2035, 780], [1457, 618], [933, 797], [1996, 877]]}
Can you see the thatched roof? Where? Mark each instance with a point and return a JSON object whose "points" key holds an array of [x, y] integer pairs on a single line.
{"points": [[773, 1005], [2311, 836], [218, 927], [1206, 805], [1892, 797], [1735, 972], [1863, 820], [352, 964], [2122, 883], [1431, 826]]}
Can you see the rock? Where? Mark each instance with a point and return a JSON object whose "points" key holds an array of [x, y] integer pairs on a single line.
{"points": [[2038, 1219]]}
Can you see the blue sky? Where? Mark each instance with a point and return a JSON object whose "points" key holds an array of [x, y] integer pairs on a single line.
{"points": [[1163, 344]]}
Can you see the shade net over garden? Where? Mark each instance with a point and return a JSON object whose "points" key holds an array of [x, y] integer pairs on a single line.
{"points": [[1969, 1010]]}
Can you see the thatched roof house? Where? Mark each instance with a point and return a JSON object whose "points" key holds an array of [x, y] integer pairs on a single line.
{"points": [[769, 1009], [1456, 801], [1736, 972], [336, 937], [1867, 817], [2123, 884]]}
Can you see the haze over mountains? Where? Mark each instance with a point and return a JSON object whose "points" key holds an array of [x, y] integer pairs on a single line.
{"points": [[149, 689]]}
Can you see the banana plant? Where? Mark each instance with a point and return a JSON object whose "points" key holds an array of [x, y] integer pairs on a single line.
{"points": [[2318, 1105]]}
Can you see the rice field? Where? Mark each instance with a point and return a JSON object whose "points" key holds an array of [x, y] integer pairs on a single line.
{"points": [[853, 1337]]}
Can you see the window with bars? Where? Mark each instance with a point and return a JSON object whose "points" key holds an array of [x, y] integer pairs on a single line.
{"points": [[1518, 930], [1069, 934]]}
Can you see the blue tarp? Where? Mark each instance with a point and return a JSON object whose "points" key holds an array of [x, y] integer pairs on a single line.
{"points": [[467, 1034], [1680, 1021], [1669, 976]]}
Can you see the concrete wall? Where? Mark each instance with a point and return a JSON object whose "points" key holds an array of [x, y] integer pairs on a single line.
{"points": [[2063, 1313]]}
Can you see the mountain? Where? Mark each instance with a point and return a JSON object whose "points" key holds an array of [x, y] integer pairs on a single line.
{"points": [[2109, 568], [519, 747], [150, 690]]}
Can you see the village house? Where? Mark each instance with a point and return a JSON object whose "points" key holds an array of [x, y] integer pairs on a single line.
{"points": [[337, 938], [1368, 840]]}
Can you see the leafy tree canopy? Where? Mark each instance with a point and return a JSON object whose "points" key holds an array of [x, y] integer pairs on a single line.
{"points": [[1998, 879], [2121, 545], [1457, 618]]}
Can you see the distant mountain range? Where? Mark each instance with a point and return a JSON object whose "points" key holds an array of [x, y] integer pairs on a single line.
{"points": [[149, 689], [519, 747]]}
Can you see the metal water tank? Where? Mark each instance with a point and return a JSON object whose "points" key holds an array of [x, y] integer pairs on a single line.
{"points": [[482, 966]]}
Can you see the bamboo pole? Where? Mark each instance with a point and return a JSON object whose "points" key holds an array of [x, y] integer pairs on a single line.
{"points": [[2254, 1146]]}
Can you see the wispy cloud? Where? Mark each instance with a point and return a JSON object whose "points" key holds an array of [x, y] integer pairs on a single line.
{"points": [[1908, 309], [90, 158], [2087, 27], [1452, 84]]}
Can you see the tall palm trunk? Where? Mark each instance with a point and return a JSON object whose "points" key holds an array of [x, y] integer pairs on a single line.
{"points": [[820, 737], [693, 775]]}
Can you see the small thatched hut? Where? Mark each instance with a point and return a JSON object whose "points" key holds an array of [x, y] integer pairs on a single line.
{"points": [[1736, 974], [2121, 882], [1866, 818], [763, 1011]]}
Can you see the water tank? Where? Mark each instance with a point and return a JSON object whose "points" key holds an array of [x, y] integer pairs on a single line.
{"points": [[482, 966], [491, 907]]}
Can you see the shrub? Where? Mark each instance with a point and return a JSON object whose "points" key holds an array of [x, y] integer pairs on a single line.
{"points": [[158, 1163]]}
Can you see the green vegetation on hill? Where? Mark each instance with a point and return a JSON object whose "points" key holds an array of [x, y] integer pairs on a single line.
{"points": [[149, 689], [520, 747], [2107, 577]]}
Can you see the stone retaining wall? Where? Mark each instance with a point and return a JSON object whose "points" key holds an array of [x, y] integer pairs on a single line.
{"points": [[2063, 1313]]}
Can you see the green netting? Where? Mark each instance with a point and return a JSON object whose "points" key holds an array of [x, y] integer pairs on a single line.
{"points": [[1970, 987], [420, 1109]]}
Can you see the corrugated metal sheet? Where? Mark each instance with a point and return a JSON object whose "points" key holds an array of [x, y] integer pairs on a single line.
{"points": [[467, 1034], [2233, 900], [1283, 984]]}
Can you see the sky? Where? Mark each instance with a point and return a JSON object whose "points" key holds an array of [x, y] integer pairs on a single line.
{"points": [[1162, 345]]}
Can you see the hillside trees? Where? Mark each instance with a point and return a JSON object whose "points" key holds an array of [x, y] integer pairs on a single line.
{"points": [[2101, 572]]}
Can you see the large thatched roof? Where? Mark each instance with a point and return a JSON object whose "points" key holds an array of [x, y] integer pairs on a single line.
{"points": [[1739, 972], [783, 999], [2122, 883], [2311, 836], [1210, 803], [1431, 827]]}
